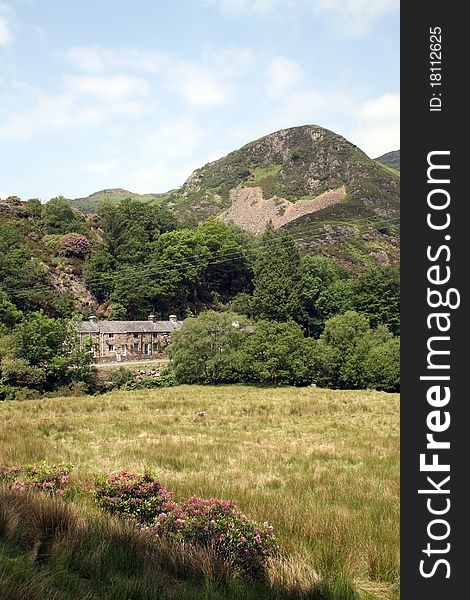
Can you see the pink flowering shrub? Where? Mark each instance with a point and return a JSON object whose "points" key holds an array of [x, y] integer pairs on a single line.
{"points": [[74, 244], [134, 495], [219, 525], [52, 479], [213, 523]]}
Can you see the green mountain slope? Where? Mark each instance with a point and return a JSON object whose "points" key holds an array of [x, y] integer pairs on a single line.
{"points": [[326, 191], [391, 159], [89, 204]]}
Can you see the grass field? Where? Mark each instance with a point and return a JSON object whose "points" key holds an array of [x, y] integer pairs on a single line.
{"points": [[321, 465]]}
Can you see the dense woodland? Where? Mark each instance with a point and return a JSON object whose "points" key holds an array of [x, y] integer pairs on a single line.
{"points": [[314, 320]]}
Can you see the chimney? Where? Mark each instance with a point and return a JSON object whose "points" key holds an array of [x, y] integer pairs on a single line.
{"points": [[93, 319], [152, 318], [173, 319]]}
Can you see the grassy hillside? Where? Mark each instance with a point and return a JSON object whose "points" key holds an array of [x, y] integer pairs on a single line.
{"points": [[90, 203], [321, 465], [391, 159]]}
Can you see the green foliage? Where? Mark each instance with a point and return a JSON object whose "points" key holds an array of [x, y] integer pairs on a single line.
{"points": [[382, 366], [46, 356], [229, 267], [9, 313], [98, 273], [38, 338], [335, 299], [277, 353], [135, 495], [220, 526], [215, 524], [341, 352], [18, 372], [52, 479], [377, 294], [205, 349], [324, 291], [117, 312], [34, 206], [277, 278], [59, 217]]}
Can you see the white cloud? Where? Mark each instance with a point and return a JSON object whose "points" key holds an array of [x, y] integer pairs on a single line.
{"points": [[108, 89], [96, 59], [378, 125], [283, 74], [354, 18], [351, 18], [198, 86], [6, 36], [84, 101]]}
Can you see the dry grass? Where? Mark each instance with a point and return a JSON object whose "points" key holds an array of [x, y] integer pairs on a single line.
{"points": [[321, 465]]}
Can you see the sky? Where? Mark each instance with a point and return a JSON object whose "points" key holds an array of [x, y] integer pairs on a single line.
{"points": [[137, 94]]}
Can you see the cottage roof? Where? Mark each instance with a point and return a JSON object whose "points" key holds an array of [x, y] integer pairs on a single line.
{"points": [[129, 326]]}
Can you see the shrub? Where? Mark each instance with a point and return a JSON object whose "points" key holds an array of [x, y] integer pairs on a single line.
{"points": [[52, 479], [220, 526], [134, 495], [75, 245], [213, 524]]}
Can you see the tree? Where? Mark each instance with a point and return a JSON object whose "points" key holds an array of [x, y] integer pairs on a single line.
{"points": [[229, 266], [324, 291], [130, 227], [382, 366], [277, 353], [51, 346], [277, 278], [117, 312], [335, 299], [205, 349], [342, 348], [9, 313], [376, 293], [99, 270], [58, 216]]}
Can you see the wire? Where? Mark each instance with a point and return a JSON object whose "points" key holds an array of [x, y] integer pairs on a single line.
{"points": [[184, 263]]}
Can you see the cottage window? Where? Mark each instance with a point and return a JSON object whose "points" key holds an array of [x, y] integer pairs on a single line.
{"points": [[111, 336], [136, 346], [136, 335], [110, 347], [146, 348]]}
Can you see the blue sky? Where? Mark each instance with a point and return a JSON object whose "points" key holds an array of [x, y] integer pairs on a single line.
{"points": [[136, 94]]}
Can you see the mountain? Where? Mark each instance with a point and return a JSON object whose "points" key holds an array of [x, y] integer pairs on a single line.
{"points": [[89, 204], [329, 194], [390, 159]]}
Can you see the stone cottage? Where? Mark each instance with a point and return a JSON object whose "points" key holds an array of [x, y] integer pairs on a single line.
{"points": [[116, 341]]}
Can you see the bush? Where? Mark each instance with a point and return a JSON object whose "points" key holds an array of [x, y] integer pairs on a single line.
{"points": [[18, 372], [382, 366], [213, 524], [134, 495], [52, 479], [74, 245], [219, 525]]}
